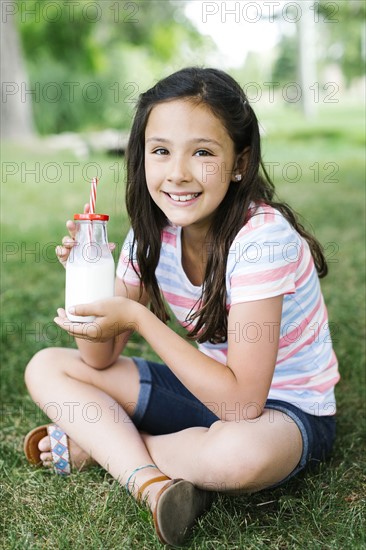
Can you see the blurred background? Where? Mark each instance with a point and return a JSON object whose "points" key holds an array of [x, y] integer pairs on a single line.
{"points": [[72, 66], [71, 73]]}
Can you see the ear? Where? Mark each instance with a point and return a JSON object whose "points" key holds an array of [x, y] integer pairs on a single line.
{"points": [[241, 164]]}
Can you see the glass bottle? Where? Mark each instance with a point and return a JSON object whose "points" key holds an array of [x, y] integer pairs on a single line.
{"points": [[90, 266]]}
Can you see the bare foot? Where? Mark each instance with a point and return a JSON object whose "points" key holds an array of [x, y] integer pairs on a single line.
{"points": [[80, 460]]}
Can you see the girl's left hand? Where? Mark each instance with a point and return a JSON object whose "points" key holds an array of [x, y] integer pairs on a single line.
{"points": [[112, 317]]}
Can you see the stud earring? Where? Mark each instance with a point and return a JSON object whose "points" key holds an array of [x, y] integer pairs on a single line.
{"points": [[237, 177]]}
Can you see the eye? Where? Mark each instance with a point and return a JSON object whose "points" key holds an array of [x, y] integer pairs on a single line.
{"points": [[203, 153], [160, 151]]}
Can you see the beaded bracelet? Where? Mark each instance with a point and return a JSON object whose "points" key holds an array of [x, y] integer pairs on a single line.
{"points": [[134, 472]]}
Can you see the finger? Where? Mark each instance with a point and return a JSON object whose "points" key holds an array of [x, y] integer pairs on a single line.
{"points": [[62, 254], [68, 242], [86, 310], [71, 227], [84, 331], [112, 246], [86, 208], [75, 329]]}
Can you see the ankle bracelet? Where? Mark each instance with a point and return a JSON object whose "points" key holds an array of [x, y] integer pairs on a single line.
{"points": [[134, 472]]}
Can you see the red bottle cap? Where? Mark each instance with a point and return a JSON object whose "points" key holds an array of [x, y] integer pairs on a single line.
{"points": [[92, 217]]}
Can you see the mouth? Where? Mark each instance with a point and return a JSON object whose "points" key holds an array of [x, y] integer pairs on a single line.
{"points": [[187, 197]]}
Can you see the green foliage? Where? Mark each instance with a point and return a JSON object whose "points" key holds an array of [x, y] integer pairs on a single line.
{"points": [[344, 32], [340, 28], [84, 58], [285, 67], [51, 30]]}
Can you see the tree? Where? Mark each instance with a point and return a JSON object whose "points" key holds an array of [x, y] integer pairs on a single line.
{"points": [[285, 67], [344, 30], [88, 61], [328, 32], [16, 110]]}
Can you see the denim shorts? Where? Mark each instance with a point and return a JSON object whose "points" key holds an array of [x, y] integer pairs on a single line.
{"points": [[165, 406]]}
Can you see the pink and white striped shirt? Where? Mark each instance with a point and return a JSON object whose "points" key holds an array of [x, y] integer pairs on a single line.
{"points": [[267, 258]]}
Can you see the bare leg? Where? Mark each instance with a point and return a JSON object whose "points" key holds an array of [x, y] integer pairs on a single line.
{"points": [[94, 406], [91, 407], [231, 457]]}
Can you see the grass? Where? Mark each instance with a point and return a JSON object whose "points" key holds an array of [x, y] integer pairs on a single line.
{"points": [[322, 509]]}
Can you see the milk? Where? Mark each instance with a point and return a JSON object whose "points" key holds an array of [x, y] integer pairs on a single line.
{"points": [[87, 282], [90, 265]]}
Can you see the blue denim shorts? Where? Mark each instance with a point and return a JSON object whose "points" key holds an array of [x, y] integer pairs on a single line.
{"points": [[165, 406]]}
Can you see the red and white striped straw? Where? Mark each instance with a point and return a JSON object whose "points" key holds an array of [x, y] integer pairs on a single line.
{"points": [[93, 195]]}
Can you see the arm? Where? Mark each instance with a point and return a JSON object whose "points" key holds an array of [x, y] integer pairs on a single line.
{"points": [[101, 355], [98, 355], [242, 386]]}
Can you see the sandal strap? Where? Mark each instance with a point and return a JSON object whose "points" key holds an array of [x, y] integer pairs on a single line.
{"points": [[59, 450], [134, 473], [149, 482]]}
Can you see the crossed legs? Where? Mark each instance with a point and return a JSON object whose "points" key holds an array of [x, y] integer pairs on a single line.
{"points": [[94, 408]]}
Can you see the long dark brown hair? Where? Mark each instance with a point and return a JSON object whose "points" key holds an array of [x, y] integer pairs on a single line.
{"points": [[226, 99]]}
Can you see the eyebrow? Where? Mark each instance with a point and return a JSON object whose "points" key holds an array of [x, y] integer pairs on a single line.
{"points": [[196, 140]]}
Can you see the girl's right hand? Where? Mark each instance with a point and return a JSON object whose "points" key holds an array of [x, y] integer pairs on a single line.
{"points": [[63, 251]]}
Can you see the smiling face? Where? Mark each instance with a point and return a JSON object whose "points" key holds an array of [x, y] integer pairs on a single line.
{"points": [[189, 162]]}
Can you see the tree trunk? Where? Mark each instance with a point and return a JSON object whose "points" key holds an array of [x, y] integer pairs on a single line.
{"points": [[307, 60], [16, 105]]}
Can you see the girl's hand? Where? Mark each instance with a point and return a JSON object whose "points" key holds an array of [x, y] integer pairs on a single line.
{"points": [[113, 316], [63, 251]]}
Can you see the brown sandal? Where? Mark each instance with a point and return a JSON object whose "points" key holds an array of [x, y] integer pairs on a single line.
{"points": [[178, 505], [145, 485], [31, 441], [59, 447]]}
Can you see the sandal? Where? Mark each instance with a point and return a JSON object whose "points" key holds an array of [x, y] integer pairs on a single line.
{"points": [[59, 447], [178, 505]]}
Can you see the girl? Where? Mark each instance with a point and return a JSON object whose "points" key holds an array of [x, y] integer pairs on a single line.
{"points": [[253, 404]]}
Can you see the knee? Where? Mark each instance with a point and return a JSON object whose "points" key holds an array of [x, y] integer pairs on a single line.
{"points": [[244, 473], [248, 473], [40, 367], [54, 365], [236, 465]]}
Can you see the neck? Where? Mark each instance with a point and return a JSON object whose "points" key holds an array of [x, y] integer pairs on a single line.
{"points": [[196, 242]]}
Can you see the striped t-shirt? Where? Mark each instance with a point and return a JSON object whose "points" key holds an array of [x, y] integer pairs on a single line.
{"points": [[267, 258]]}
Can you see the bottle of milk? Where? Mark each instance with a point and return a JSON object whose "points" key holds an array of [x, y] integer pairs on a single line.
{"points": [[90, 265]]}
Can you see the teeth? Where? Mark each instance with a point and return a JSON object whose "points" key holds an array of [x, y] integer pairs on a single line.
{"points": [[183, 198]]}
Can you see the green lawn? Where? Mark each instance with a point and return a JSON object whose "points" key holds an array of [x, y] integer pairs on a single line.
{"points": [[321, 509]]}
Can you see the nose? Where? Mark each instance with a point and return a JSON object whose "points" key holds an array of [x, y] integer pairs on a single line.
{"points": [[178, 170]]}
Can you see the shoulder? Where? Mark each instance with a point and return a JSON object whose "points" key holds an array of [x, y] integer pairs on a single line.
{"points": [[266, 218], [267, 242], [264, 257], [265, 224]]}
